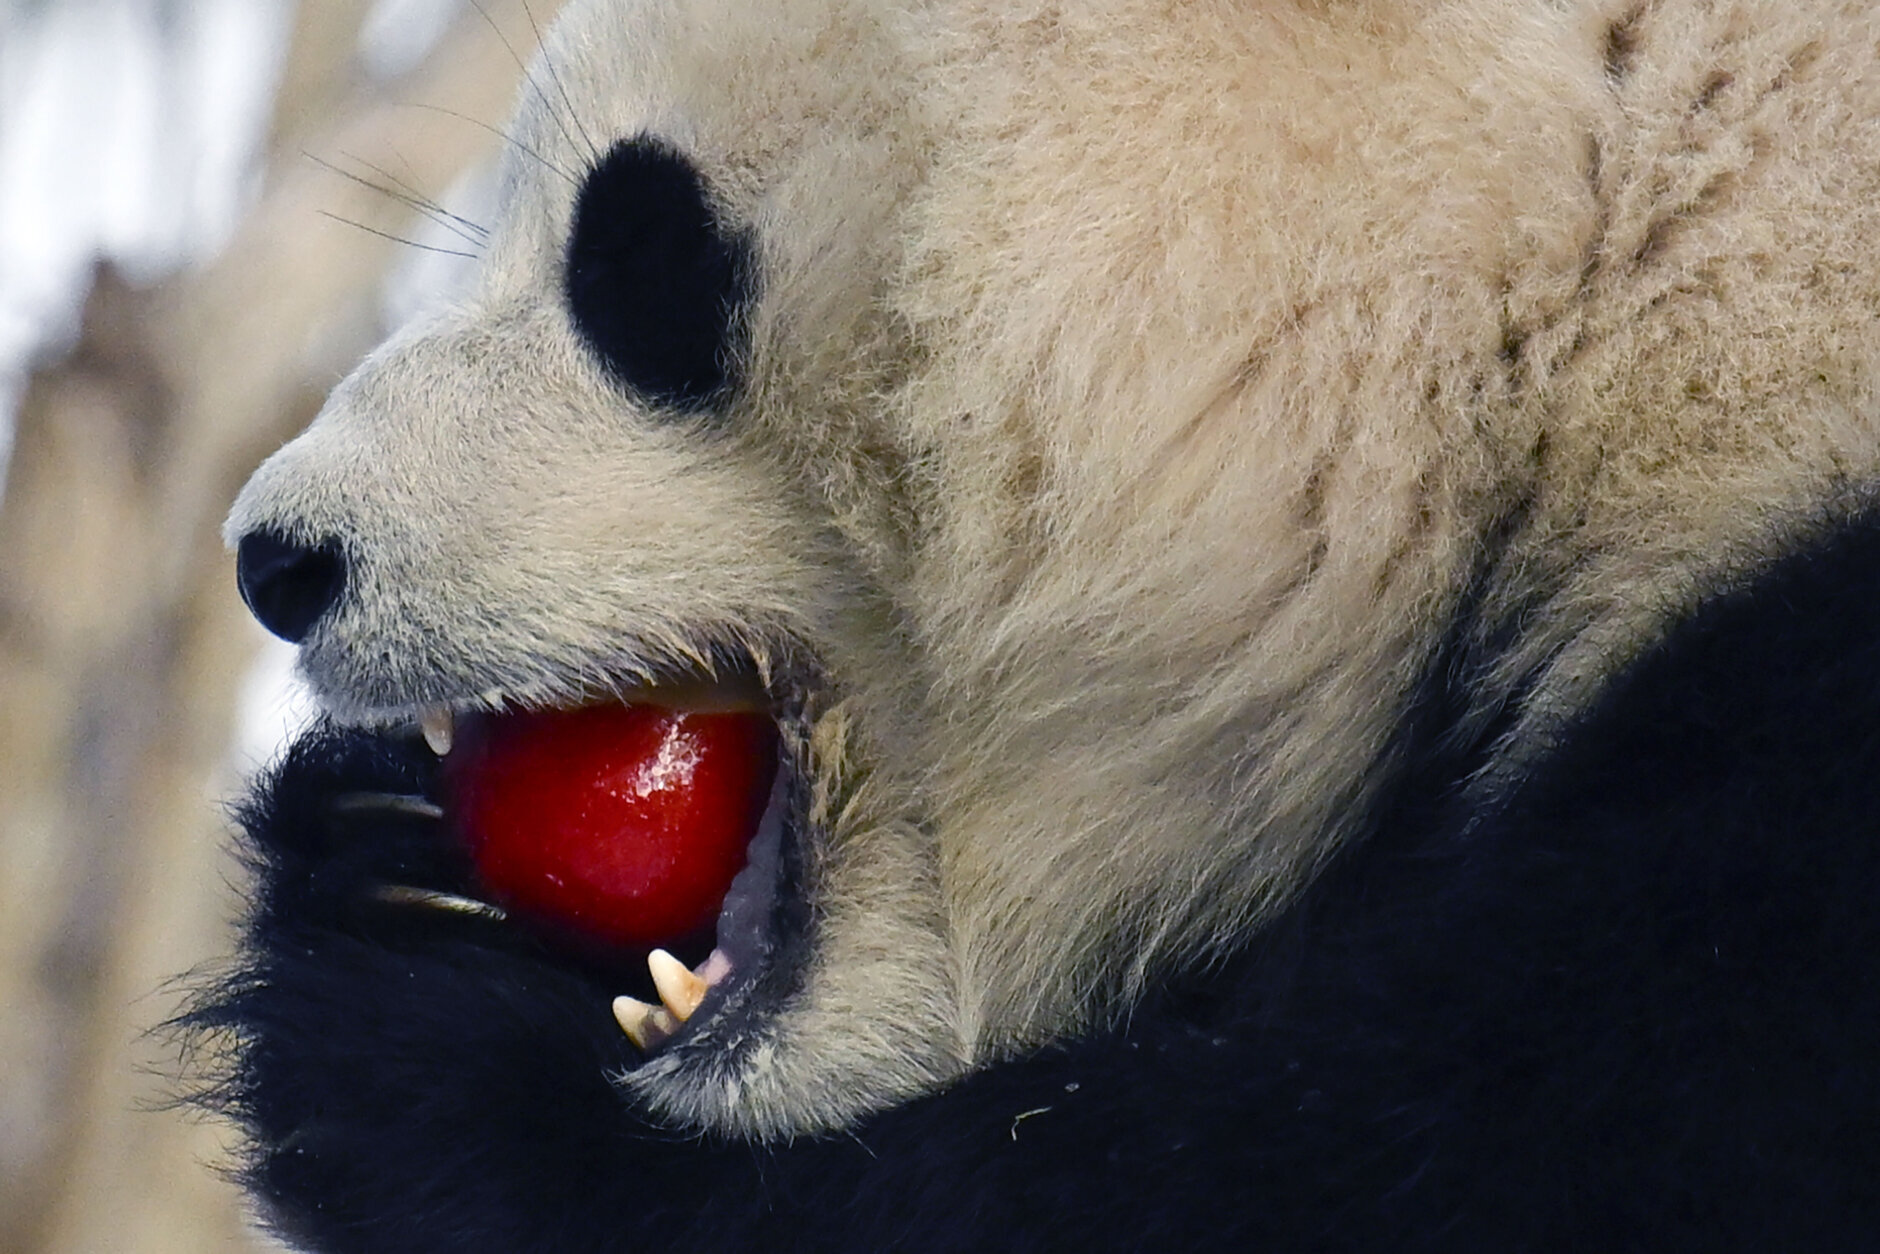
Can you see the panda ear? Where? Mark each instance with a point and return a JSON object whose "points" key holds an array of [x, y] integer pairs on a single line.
{"points": [[655, 283]]}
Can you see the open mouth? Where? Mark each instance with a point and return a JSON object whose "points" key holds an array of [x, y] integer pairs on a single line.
{"points": [[651, 838]]}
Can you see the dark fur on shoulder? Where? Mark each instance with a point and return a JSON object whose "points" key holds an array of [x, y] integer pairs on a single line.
{"points": [[1633, 1009]]}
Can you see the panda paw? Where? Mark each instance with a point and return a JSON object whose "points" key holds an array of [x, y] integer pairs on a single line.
{"points": [[413, 1073]]}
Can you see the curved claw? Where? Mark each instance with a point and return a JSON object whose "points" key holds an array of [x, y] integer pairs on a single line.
{"points": [[433, 899], [393, 802]]}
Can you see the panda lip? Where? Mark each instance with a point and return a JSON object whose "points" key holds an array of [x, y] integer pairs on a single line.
{"points": [[737, 691], [746, 939]]}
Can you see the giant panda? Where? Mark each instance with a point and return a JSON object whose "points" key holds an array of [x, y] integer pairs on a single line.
{"points": [[1310, 575]]}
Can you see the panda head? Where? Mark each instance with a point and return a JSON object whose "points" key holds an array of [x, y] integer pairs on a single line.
{"points": [[586, 484]]}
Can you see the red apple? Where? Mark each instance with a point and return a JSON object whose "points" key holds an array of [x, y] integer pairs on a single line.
{"points": [[620, 826]]}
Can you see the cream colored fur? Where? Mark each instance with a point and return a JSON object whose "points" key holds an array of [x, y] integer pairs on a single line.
{"points": [[1138, 389]]}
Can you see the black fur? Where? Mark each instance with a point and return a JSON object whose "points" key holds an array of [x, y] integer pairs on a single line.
{"points": [[1633, 1008], [655, 282]]}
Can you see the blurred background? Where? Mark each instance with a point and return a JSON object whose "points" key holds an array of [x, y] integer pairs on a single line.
{"points": [[202, 204]]}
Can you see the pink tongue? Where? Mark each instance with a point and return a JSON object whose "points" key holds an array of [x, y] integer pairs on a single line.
{"points": [[616, 825]]}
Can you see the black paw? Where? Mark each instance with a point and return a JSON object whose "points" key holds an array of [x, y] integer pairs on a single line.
{"points": [[413, 1072]]}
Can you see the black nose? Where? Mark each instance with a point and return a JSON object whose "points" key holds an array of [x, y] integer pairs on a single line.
{"points": [[288, 586]]}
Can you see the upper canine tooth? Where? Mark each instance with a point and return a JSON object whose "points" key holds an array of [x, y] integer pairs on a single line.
{"points": [[678, 987], [438, 726]]}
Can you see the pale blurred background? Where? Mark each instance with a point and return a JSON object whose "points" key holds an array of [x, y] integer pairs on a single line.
{"points": [[183, 273]]}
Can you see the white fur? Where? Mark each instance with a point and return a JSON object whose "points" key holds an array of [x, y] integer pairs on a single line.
{"points": [[1135, 389]]}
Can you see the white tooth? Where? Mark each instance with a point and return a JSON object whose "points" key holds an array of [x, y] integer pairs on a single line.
{"points": [[649, 1027], [678, 987], [438, 726]]}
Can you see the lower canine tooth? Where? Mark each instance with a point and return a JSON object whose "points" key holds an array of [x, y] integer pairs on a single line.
{"points": [[438, 727], [678, 987], [646, 1026]]}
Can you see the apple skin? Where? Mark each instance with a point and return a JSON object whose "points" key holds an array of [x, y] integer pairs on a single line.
{"points": [[618, 827]]}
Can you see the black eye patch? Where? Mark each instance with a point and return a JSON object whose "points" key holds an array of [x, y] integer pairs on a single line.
{"points": [[654, 281]]}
